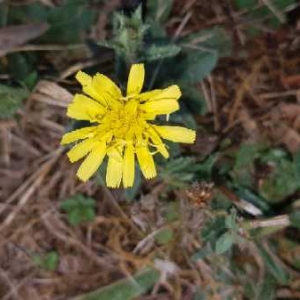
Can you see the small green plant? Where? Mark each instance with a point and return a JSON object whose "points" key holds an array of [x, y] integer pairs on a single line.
{"points": [[47, 261], [10, 100], [79, 209]]}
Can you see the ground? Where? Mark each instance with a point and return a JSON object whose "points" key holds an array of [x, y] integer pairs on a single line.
{"points": [[221, 221]]}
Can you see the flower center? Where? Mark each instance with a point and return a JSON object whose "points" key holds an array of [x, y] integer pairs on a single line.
{"points": [[124, 123]]}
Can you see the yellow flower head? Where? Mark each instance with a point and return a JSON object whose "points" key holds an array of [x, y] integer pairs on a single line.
{"points": [[122, 126]]}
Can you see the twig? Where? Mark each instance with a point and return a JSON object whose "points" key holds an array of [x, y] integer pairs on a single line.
{"points": [[279, 221], [13, 289], [101, 261]]}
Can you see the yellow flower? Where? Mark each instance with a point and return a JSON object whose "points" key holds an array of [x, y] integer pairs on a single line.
{"points": [[122, 126]]}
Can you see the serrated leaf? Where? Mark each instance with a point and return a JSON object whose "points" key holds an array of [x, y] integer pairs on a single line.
{"points": [[224, 242], [156, 52], [179, 171], [205, 168], [11, 100]]}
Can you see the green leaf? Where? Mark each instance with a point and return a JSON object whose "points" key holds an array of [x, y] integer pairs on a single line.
{"points": [[264, 291], [171, 212], [295, 219], [198, 65], [213, 229], [297, 164], [194, 99], [11, 100], [179, 171], [259, 16], [48, 261], [79, 209], [245, 4], [205, 168], [281, 183], [231, 220], [164, 236], [19, 65], [129, 35], [214, 39], [31, 80], [125, 289], [243, 169], [225, 242], [278, 272], [156, 52], [68, 21], [249, 196]]}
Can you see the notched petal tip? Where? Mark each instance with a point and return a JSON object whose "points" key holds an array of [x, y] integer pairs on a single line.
{"points": [[176, 134], [83, 78], [135, 79], [176, 91]]}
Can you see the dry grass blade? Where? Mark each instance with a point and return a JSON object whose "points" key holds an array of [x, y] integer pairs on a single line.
{"points": [[29, 192], [51, 93]]}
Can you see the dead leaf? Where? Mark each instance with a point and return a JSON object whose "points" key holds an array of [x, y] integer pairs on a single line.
{"points": [[290, 111], [17, 35], [51, 93], [288, 136], [291, 81]]}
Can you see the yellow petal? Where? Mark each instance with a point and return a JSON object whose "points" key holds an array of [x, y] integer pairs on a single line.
{"points": [[146, 162], [114, 170], [99, 87], [176, 134], [157, 142], [84, 108], [83, 78], [171, 92], [104, 85], [92, 162], [162, 107], [88, 87], [81, 149], [148, 95], [78, 134], [135, 79], [128, 166]]}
